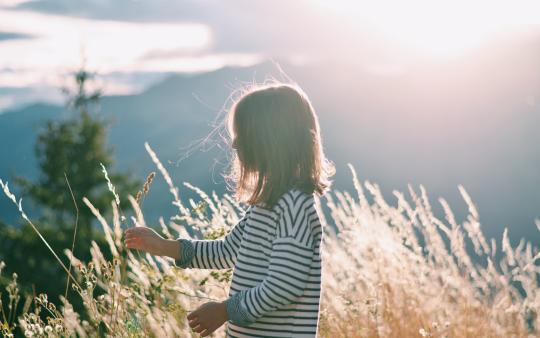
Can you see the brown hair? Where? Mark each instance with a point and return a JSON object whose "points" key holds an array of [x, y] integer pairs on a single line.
{"points": [[275, 132]]}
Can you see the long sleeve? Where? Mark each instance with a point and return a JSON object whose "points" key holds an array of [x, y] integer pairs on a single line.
{"points": [[212, 254], [289, 266]]}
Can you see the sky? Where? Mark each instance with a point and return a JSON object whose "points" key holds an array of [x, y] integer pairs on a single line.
{"points": [[134, 43]]}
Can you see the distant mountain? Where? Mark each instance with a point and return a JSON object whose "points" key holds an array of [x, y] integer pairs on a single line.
{"points": [[170, 115], [473, 121]]}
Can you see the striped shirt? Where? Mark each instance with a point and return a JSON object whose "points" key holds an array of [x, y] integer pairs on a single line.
{"points": [[276, 283]]}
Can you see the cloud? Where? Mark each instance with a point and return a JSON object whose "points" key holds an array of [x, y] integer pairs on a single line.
{"points": [[159, 36], [300, 29], [127, 10], [12, 3], [108, 46], [277, 28], [42, 56], [14, 36]]}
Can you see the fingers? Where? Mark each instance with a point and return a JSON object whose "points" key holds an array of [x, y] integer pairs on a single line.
{"points": [[194, 322], [130, 235], [133, 240], [207, 332], [192, 315], [199, 328], [133, 243], [196, 325], [136, 230], [133, 234]]}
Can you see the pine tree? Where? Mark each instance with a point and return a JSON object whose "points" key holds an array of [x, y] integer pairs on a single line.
{"points": [[73, 147], [76, 148]]}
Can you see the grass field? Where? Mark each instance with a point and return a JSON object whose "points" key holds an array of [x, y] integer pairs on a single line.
{"points": [[389, 271]]}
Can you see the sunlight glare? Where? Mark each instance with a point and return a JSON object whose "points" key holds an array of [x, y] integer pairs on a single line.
{"points": [[439, 28]]}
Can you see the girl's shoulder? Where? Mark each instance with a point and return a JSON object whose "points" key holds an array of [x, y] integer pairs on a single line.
{"points": [[293, 200]]}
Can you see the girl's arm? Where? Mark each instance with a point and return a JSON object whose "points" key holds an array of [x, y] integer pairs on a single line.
{"points": [[202, 254], [288, 272], [212, 254]]}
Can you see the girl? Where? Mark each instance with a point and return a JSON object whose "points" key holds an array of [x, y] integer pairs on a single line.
{"points": [[274, 249]]}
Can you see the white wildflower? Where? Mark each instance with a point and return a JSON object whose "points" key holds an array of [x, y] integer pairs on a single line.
{"points": [[424, 333]]}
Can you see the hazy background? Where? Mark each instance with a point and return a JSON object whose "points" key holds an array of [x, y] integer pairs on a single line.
{"points": [[420, 92]]}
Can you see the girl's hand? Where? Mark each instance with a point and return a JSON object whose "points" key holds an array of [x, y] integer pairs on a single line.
{"points": [[208, 317], [146, 239]]}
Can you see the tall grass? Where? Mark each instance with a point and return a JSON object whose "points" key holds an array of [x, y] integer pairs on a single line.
{"points": [[388, 271]]}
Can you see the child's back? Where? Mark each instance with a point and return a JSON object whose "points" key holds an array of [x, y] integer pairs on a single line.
{"points": [[276, 284]]}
